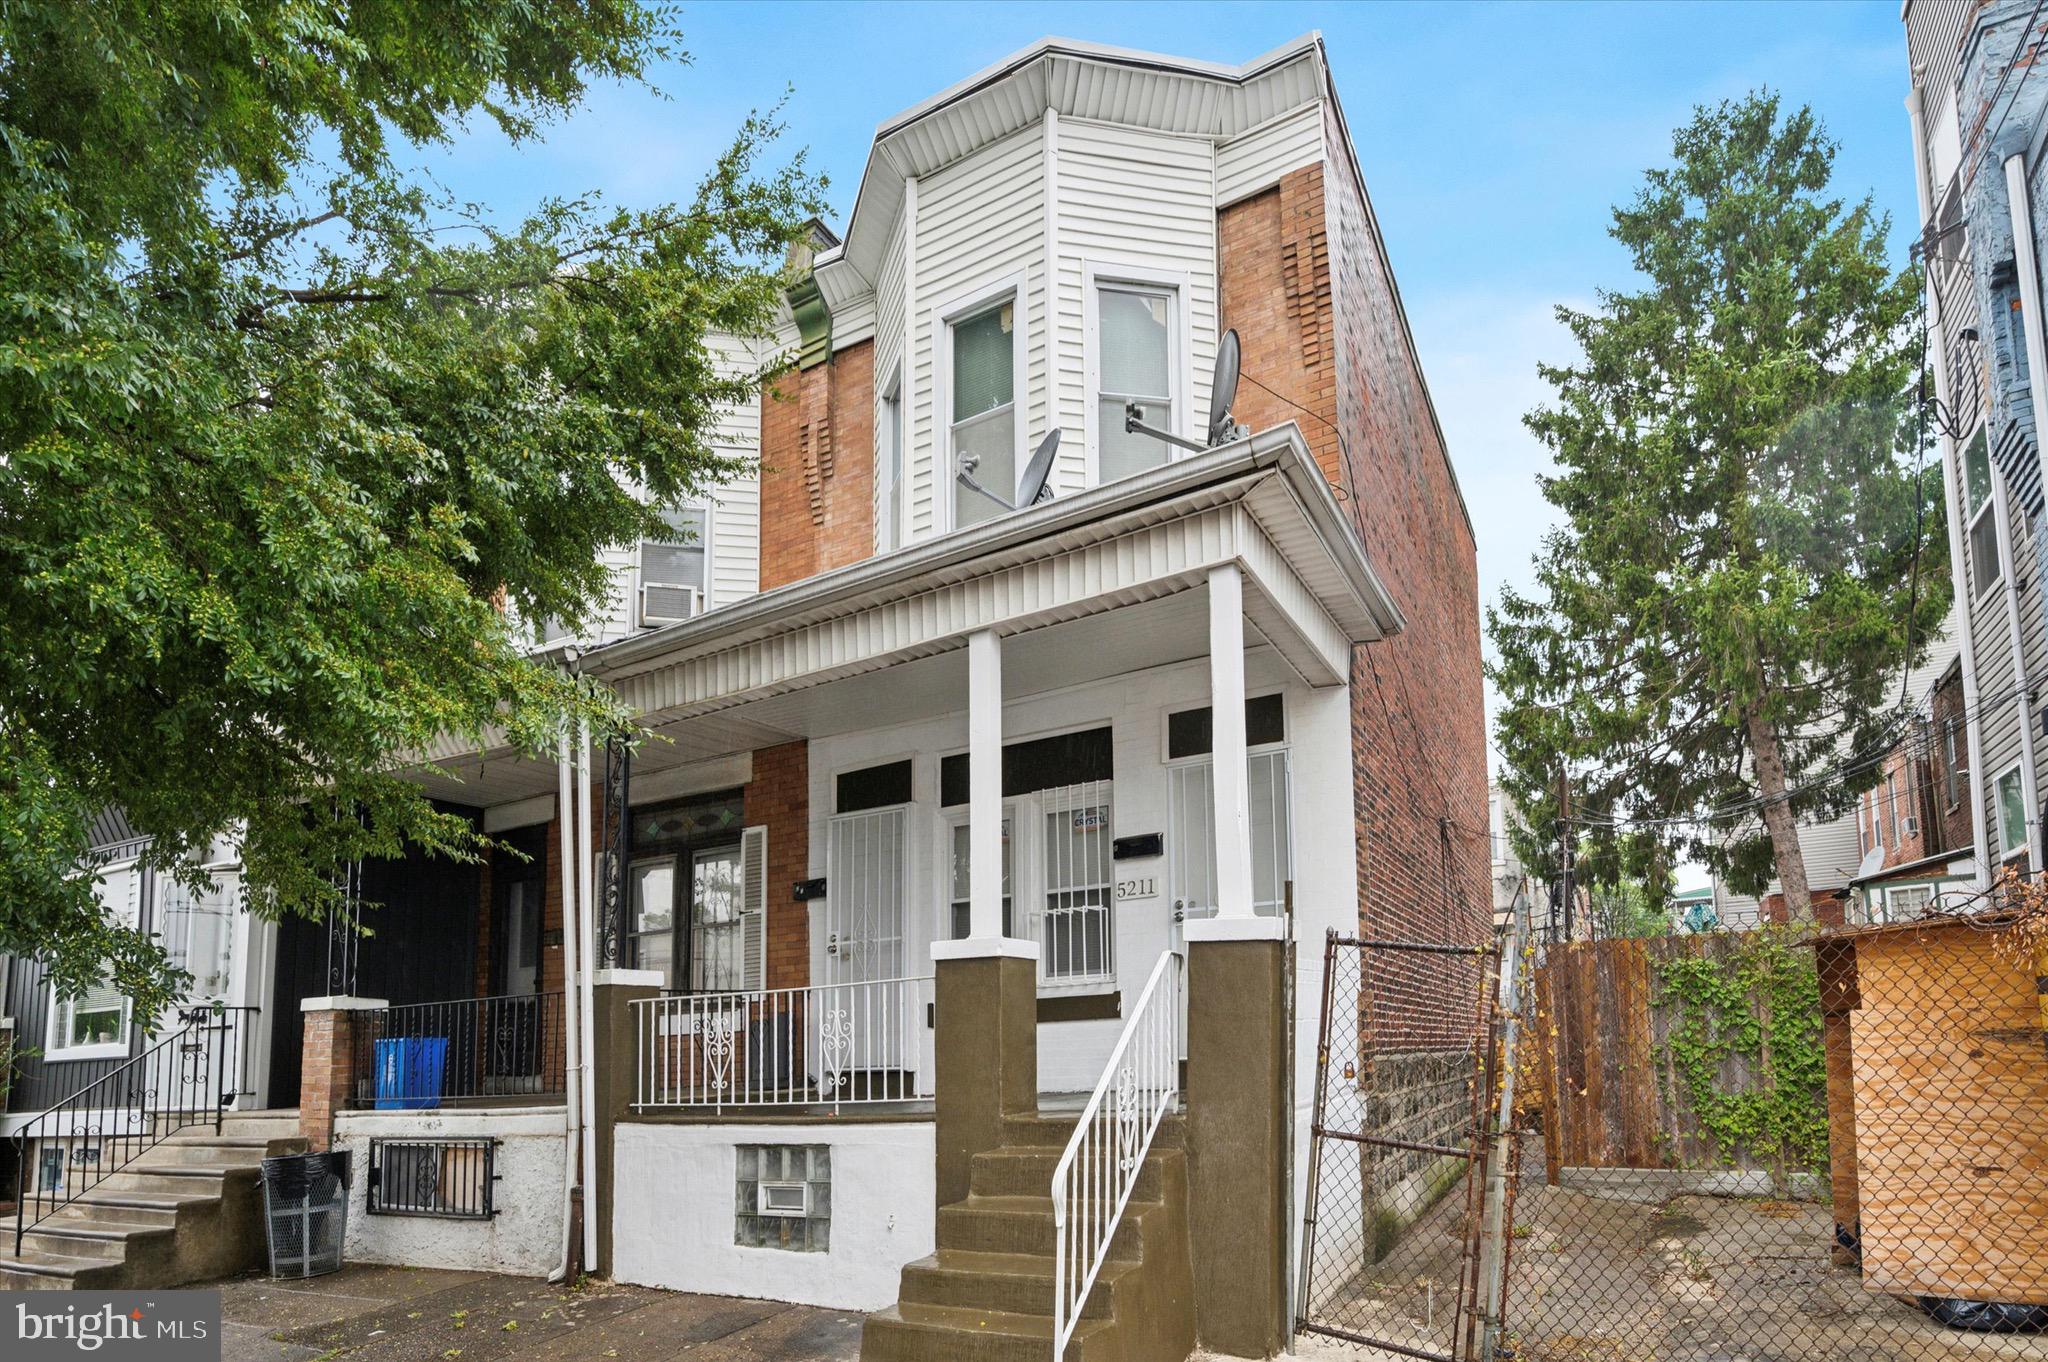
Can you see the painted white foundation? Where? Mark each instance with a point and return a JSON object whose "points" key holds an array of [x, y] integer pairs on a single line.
{"points": [[675, 1229], [523, 1238]]}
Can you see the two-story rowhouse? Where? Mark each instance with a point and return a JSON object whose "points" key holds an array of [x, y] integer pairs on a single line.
{"points": [[1978, 142], [934, 955]]}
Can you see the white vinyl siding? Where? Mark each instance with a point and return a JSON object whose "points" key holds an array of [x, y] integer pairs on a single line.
{"points": [[1139, 205], [1255, 160], [980, 222]]}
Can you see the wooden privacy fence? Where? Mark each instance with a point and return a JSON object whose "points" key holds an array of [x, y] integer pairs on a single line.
{"points": [[1683, 1052]]}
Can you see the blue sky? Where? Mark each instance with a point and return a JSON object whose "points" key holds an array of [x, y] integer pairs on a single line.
{"points": [[1494, 138]]}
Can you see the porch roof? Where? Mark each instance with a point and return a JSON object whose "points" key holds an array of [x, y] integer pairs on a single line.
{"points": [[1106, 579]]}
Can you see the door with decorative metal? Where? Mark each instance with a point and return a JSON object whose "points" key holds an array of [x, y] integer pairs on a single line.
{"points": [[859, 1024]]}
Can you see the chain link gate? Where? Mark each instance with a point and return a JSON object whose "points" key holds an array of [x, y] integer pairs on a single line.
{"points": [[1410, 1183]]}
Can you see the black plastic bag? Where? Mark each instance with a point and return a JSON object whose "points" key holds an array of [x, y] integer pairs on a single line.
{"points": [[1987, 1317]]}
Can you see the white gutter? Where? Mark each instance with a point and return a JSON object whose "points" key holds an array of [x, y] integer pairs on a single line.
{"points": [[1280, 449], [573, 1059], [1951, 485]]}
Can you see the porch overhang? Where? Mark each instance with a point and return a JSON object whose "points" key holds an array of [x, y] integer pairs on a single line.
{"points": [[1136, 552]]}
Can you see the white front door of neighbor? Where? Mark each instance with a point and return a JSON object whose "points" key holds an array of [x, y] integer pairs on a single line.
{"points": [[864, 894]]}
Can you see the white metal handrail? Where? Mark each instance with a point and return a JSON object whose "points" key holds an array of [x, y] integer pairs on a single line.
{"points": [[1095, 1176], [828, 1044]]}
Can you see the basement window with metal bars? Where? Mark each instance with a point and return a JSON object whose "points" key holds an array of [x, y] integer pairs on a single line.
{"points": [[445, 1179]]}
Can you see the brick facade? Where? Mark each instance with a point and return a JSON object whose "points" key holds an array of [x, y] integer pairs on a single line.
{"points": [[817, 468], [779, 798], [1320, 322], [325, 1069]]}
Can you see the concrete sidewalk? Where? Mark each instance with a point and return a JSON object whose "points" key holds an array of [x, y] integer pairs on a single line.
{"points": [[405, 1314]]}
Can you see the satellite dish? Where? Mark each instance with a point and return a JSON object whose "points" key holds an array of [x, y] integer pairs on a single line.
{"points": [[1873, 861], [1222, 392], [1039, 471]]}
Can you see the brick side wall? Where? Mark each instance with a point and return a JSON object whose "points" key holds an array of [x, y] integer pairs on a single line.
{"points": [[779, 797], [1308, 289], [817, 468]]}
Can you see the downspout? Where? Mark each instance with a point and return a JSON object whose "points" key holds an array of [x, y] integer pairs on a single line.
{"points": [[2020, 206], [573, 1037], [1951, 484], [587, 997]]}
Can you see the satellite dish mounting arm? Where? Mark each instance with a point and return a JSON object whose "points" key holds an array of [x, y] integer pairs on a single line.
{"points": [[1134, 423]]}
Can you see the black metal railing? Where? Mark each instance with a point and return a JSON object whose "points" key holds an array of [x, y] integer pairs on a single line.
{"points": [[187, 1078], [467, 1050], [447, 1179]]}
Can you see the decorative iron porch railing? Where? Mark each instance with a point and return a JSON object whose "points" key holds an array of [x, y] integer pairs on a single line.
{"points": [[832, 1045], [511, 1048], [188, 1078]]}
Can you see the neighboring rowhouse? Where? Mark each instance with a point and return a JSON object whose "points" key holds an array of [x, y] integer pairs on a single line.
{"points": [[1978, 141], [975, 814]]}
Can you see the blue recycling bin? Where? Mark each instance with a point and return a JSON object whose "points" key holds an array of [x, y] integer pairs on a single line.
{"points": [[409, 1072]]}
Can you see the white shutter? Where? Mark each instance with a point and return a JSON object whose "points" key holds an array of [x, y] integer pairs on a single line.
{"points": [[754, 907]]}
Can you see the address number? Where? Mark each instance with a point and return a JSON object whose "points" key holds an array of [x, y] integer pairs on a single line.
{"points": [[1144, 887]]}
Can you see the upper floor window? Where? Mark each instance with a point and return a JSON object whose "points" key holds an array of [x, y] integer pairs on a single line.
{"points": [[982, 421], [1983, 523], [1135, 362], [672, 570], [2012, 813], [1952, 760], [888, 467]]}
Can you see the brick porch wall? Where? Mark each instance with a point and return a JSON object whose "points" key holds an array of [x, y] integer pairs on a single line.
{"points": [[779, 797]]}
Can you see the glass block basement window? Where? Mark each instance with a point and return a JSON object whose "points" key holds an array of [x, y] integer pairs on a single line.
{"points": [[449, 1179], [783, 1197]]}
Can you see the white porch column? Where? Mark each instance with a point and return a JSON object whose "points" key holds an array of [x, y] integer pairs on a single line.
{"points": [[1234, 920], [984, 809]]}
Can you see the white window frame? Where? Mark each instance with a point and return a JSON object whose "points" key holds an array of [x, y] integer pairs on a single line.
{"points": [[963, 307], [673, 977], [889, 464], [1955, 778], [639, 604], [2008, 849], [1285, 746], [1976, 515], [55, 1050], [1180, 370], [953, 820]]}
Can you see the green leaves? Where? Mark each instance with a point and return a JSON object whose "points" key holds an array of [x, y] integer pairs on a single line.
{"points": [[1748, 532], [284, 432]]}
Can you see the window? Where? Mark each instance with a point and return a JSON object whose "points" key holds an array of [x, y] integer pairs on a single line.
{"points": [[1896, 806], [717, 929], [653, 889], [94, 1025], [672, 570], [873, 787], [199, 930], [1192, 732], [444, 1179], [1904, 902], [888, 466], [784, 1197], [2012, 813], [957, 902], [983, 428], [1135, 363], [1076, 930], [1952, 760], [1984, 573]]}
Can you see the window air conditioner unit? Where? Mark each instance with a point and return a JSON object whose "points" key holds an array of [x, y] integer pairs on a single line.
{"points": [[666, 603], [1912, 828]]}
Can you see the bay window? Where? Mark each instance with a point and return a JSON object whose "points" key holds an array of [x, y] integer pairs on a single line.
{"points": [[982, 424]]}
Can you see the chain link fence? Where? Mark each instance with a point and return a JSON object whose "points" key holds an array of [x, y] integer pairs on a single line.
{"points": [[1775, 1145]]}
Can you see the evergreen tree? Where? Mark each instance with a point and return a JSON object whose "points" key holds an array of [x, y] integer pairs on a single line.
{"points": [[1749, 555]]}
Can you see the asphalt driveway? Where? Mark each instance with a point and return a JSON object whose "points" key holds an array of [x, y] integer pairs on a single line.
{"points": [[408, 1314]]}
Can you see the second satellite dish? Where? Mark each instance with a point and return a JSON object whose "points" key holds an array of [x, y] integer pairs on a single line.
{"points": [[1223, 427], [1032, 487]]}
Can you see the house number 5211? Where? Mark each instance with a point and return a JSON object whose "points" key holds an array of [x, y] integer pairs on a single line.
{"points": [[1144, 887]]}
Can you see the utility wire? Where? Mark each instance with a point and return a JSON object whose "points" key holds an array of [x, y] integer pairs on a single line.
{"points": [[2032, 46]]}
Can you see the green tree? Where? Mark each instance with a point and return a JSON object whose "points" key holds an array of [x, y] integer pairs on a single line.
{"points": [[1744, 564], [283, 431]]}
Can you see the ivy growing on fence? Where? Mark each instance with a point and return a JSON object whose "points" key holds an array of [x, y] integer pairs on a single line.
{"points": [[1759, 1007]]}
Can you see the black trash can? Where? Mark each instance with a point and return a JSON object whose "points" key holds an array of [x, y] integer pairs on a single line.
{"points": [[305, 1212]]}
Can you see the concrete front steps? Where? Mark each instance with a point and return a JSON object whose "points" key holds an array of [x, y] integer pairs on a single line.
{"points": [[986, 1294], [187, 1210]]}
